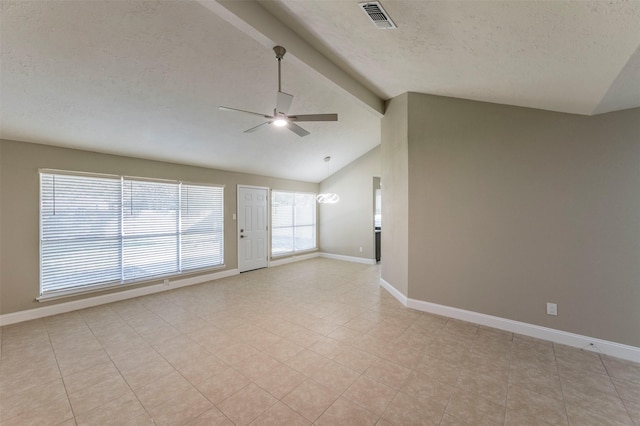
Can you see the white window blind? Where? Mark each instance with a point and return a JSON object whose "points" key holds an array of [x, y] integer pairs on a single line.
{"points": [[150, 224], [293, 222], [100, 231], [80, 231], [202, 236]]}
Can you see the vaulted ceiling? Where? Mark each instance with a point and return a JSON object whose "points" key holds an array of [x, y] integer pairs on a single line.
{"points": [[145, 78]]}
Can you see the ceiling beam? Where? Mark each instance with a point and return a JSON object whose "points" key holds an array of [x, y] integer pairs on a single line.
{"points": [[254, 20]]}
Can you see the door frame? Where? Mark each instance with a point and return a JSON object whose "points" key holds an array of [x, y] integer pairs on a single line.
{"points": [[268, 239]]}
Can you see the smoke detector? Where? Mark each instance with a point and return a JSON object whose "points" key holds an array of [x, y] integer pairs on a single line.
{"points": [[377, 15]]}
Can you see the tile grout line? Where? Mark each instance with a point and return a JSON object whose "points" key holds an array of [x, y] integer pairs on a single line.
{"points": [[55, 355], [564, 402]]}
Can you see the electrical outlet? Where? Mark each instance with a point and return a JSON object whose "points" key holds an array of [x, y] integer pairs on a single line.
{"points": [[166, 282], [360, 249], [552, 309]]}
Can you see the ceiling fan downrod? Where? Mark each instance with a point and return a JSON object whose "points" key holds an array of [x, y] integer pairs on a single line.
{"points": [[280, 51]]}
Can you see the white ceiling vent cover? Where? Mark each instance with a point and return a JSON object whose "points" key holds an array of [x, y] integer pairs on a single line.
{"points": [[377, 15]]}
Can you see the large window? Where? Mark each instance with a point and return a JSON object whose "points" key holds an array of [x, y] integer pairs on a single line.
{"points": [[293, 222], [110, 230]]}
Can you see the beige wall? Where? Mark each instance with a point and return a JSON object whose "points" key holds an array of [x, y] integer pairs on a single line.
{"points": [[395, 192], [348, 225], [1, 240], [19, 210], [510, 208]]}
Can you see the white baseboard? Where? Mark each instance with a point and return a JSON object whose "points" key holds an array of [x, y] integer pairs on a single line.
{"points": [[291, 259], [395, 293], [298, 258], [606, 347], [348, 258], [89, 302]]}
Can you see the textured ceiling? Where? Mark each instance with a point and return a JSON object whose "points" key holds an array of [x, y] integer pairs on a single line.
{"points": [[145, 79], [579, 57]]}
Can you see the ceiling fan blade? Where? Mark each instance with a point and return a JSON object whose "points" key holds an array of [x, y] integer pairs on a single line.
{"points": [[224, 108], [297, 130], [283, 102], [253, 129], [314, 117]]}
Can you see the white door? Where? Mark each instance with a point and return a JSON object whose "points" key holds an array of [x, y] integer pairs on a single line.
{"points": [[252, 228]]}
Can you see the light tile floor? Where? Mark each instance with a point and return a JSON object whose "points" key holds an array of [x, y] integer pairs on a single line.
{"points": [[315, 342]]}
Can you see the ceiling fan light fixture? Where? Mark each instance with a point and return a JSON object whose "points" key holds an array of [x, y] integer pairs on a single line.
{"points": [[280, 122]]}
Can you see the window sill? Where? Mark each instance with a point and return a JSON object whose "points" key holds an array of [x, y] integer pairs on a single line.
{"points": [[99, 288], [292, 254]]}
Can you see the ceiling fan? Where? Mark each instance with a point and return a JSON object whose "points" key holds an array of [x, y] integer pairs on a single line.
{"points": [[283, 102]]}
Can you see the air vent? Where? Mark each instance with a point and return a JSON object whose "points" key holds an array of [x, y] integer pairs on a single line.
{"points": [[377, 15]]}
